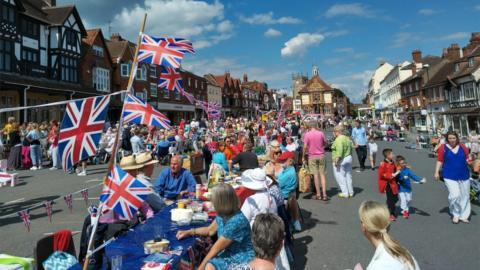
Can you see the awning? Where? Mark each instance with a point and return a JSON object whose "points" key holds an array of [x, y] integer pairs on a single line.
{"points": [[467, 110]]}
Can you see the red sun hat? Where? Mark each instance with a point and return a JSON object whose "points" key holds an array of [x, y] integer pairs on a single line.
{"points": [[286, 155]]}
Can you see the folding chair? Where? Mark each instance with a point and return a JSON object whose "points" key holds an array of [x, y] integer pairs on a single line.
{"points": [[44, 249]]}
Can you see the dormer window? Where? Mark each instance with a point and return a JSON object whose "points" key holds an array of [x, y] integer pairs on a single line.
{"points": [[457, 67], [470, 62]]}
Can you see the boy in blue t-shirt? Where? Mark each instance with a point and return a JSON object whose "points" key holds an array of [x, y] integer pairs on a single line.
{"points": [[405, 189]]}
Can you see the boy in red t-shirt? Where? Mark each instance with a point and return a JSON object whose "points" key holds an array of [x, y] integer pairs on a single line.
{"points": [[387, 183]]}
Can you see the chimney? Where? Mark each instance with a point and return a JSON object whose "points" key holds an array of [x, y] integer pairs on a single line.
{"points": [[453, 52], [417, 56], [245, 77], [414, 68], [475, 39]]}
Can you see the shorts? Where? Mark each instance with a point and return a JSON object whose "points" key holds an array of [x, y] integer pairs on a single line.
{"points": [[316, 165]]}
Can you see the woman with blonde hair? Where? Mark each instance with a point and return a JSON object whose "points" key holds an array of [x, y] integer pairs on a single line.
{"points": [[234, 244], [342, 162], [389, 254]]}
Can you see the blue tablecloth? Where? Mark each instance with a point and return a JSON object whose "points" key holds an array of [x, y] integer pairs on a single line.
{"points": [[130, 245]]}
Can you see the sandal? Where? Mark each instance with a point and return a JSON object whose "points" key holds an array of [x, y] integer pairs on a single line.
{"points": [[325, 198], [318, 197]]}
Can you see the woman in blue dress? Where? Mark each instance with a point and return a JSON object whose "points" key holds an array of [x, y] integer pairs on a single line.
{"points": [[234, 244], [219, 157]]}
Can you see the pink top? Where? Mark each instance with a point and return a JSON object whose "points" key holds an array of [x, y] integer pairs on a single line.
{"points": [[315, 142]]}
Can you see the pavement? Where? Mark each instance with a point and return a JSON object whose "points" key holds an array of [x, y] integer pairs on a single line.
{"points": [[331, 238]]}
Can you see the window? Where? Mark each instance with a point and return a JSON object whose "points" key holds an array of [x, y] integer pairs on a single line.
{"points": [[97, 50], [410, 88], [470, 62], [30, 55], [153, 71], [166, 93], [71, 38], [125, 70], [7, 13], [468, 91], [177, 95], [101, 79], [141, 95], [457, 67], [141, 73], [454, 95], [416, 85], [69, 69], [6, 53], [30, 28], [153, 90]]}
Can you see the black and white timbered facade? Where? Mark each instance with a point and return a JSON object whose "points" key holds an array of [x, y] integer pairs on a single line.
{"points": [[40, 50]]}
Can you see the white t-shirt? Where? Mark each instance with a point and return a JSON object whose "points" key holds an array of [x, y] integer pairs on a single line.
{"points": [[258, 203], [291, 147], [382, 260]]}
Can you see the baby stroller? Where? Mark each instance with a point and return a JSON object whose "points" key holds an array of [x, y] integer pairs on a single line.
{"points": [[474, 189], [162, 152]]}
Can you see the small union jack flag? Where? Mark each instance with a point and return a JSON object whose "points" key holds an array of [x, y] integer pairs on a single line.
{"points": [[185, 45], [188, 96], [138, 111], [25, 216], [84, 193], [170, 79], [69, 201], [81, 129], [157, 51], [49, 208], [123, 193]]}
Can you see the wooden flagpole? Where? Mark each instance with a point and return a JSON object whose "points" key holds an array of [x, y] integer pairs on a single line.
{"points": [[113, 157]]}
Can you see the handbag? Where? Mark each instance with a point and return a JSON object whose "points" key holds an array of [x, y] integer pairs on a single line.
{"points": [[303, 179], [59, 260]]}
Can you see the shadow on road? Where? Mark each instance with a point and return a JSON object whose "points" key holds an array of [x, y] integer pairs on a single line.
{"points": [[300, 251], [419, 212], [7, 209]]}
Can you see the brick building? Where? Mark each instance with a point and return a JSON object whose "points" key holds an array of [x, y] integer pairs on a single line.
{"points": [[197, 86], [231, 94], [252, 96]]}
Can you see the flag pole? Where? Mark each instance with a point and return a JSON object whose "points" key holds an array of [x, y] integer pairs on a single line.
{"points": [[113, 157]]}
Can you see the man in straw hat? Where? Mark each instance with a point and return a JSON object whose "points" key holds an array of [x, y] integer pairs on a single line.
{"points": [[175, 181]]}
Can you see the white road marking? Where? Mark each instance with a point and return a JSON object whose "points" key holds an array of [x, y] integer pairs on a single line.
{"points": [[15, 201], [81, 199], [93, 180]]}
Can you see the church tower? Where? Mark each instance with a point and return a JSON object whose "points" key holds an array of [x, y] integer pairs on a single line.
{"points": [[315, 71]]}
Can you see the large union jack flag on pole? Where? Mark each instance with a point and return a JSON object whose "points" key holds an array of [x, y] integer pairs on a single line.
{"points": [[137, 111], [81, 129], [123, 193], [170, 79], [158, 51]]}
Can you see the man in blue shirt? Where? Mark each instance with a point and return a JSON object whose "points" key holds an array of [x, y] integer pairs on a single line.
{"points": [[359, 137], [175, 181]]}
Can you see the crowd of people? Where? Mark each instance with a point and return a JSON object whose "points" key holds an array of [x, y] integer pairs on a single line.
{"points": [[256, 232]]}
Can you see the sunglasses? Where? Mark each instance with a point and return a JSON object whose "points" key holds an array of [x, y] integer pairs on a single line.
{"points": [[277, 153]]}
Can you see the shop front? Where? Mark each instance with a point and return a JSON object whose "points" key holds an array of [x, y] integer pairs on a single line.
{"points": [[177, 112]]}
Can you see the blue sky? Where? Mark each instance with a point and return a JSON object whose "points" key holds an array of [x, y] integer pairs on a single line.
{"points": [[269, 40]]}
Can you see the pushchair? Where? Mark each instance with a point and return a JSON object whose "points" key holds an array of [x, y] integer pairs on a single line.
{"points": [[162, 152]]}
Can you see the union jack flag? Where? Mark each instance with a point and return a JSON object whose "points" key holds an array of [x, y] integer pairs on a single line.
{"points": [[188, 96], [158, 51], [123, 193], [25, 216], [81, 129], [84, 193], [138, 111], [170, 79], [69, 201], [185, 45], [49, 208]]}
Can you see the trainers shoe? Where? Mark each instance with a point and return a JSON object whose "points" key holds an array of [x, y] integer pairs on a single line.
{"points": [[33, 168], [77, 170], [393, 218], [350, 195], [40, 167], [84, 173], [53, 168], [297, 226], [341, 195], [405, 214]]}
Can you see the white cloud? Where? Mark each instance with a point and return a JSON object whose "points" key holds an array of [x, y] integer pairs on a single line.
{"points": [[403, 39], [456, 36], [200, 21], [427, 11], [345, 50], [268, 18], [354, 9], [299, 44], [272, 33], [354, 85]]}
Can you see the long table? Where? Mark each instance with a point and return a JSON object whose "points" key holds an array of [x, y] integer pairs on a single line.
{"points": [[130, 245]]}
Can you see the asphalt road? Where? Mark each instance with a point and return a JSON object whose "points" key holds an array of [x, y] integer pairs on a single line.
{"points": [[331, 238]]}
